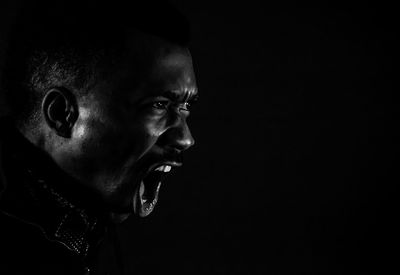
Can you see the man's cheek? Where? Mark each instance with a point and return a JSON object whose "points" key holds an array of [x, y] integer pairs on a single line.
{"points": [[155, 126], [144, 142], [148, 130]]}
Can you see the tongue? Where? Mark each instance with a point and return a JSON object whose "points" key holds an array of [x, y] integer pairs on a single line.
{"points": [[150, 185]]}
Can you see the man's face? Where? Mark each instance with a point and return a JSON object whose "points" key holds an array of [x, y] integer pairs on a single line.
{"points": [[132, 129]]}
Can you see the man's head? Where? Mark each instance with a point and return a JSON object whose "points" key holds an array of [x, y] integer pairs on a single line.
{"points": [[105, 92]]}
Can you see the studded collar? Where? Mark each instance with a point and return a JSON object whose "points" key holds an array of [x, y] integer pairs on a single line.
{"points": [[30, 195]]}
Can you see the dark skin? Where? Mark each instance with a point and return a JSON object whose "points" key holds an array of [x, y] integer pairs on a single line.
{"points": [[124, 129]]}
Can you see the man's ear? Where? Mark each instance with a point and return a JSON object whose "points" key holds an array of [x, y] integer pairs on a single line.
{"points": [[60, 111]]}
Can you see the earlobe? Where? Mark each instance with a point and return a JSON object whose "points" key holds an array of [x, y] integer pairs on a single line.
{"points": [[60, 111]]}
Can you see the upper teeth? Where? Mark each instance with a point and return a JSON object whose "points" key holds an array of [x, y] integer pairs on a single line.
{"points": [[164, 168]]}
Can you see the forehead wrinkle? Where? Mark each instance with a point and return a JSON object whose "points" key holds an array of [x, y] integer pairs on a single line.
{"points": [[189, 94]]}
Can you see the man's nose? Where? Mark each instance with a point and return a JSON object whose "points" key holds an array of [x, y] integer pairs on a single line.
{"points": [[178, 136]]}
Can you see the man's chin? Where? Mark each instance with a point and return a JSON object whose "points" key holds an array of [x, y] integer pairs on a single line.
{"points": [[118, 217], [119, 210]]}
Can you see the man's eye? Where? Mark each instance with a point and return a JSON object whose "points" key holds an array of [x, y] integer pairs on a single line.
{"points": [[160, 105], [186, 106]]}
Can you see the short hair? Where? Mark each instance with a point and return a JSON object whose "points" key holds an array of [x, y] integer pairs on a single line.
{"points": [[69, 42]]}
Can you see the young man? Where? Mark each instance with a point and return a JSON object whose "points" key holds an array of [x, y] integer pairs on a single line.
{"points": [[100, 97]]}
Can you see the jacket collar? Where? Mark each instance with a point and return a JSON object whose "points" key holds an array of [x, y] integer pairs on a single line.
{"points": [[28, 192]]}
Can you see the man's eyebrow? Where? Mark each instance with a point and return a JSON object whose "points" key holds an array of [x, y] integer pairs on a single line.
{"points": [[181, 97]]}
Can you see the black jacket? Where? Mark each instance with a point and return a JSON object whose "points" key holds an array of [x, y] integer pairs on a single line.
{"points": [[41, 231]]}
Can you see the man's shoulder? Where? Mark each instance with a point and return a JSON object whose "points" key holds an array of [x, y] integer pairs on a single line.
{"points": [[25, 249]]}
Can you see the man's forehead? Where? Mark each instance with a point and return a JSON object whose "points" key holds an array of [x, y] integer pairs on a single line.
{"points": [[172, 75], [155, 52], [163, 67], [175, 62], [174, 56], [165, 60]]}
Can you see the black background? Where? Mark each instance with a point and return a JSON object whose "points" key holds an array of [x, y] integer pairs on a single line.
{"points": [[294, 168]]}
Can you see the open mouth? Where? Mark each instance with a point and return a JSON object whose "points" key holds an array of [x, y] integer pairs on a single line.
{"points": [[146, 196]]}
